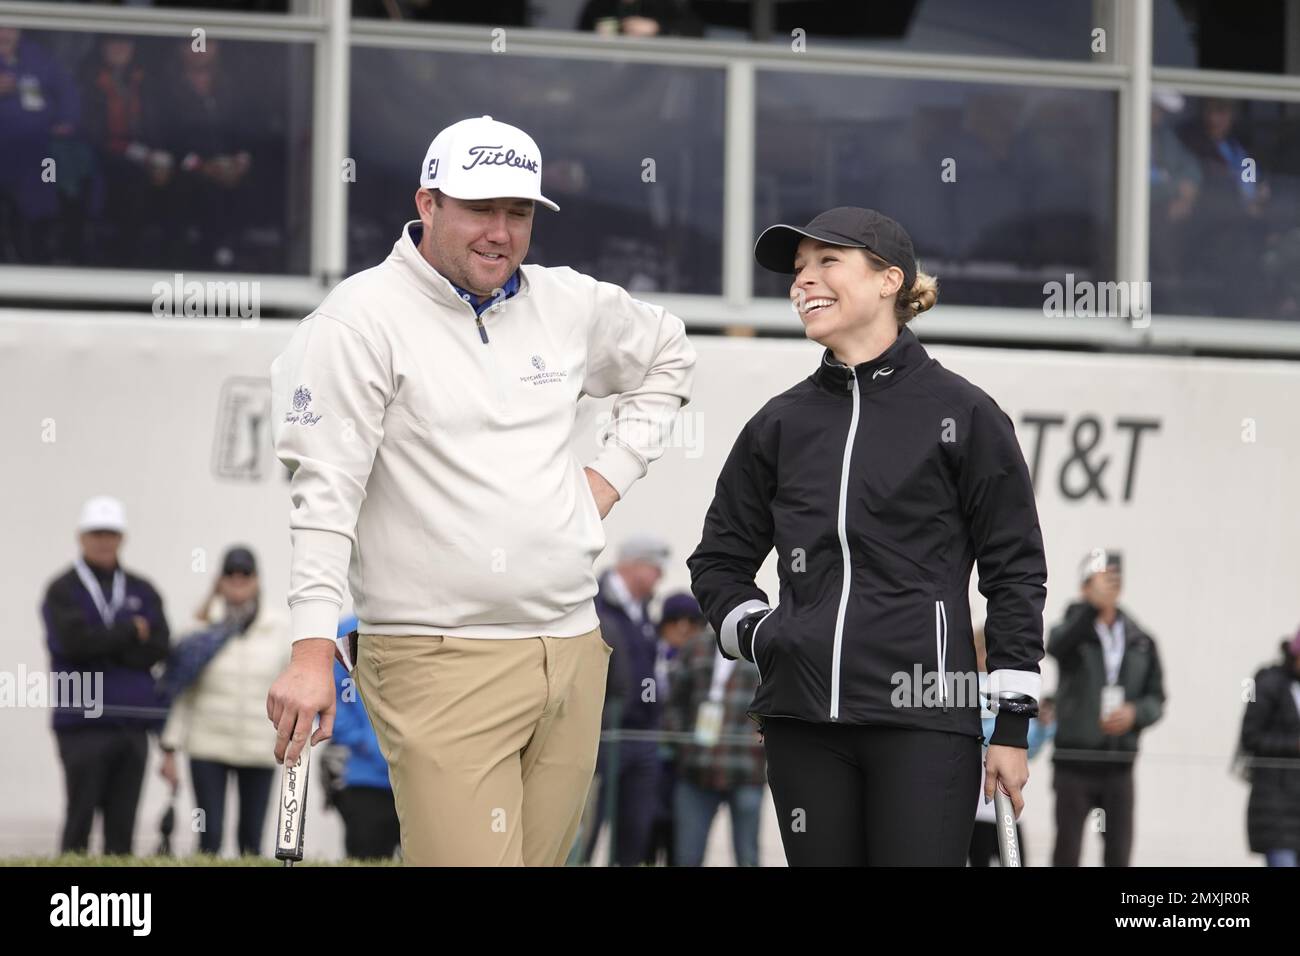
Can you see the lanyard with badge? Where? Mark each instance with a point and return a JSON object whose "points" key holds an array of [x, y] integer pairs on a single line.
{"points": [[1112, 650], [107, 608], [708, 720]]}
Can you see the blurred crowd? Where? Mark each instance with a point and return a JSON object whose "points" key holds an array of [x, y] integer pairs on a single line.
{"points": [[144, 152], [137, 152], [677, 741]]}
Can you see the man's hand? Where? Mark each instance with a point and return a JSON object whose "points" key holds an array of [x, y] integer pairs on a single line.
{"points": [[141, 628], [303, 690], [602, 491], [1120, 721], [1102, 591], [1007, 767]]}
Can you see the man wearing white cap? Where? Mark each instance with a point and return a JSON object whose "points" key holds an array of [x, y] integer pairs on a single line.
{"points": [[426, 410], [104, 627], [623, 606]]}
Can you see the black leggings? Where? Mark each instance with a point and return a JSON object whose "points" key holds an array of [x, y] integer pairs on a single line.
{"points": [[872, 796]]}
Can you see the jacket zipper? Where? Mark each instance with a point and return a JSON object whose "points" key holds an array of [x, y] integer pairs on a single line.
{"points": [[941, 649], [844, 550]]}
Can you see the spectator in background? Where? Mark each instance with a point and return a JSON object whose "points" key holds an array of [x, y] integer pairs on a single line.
{"points": [[641, 18], [984, 838], [623, 606], [1111, 688], [1270, 737], [116, 122], [216, 680], [679, 621], [710, 700], [203, 124], [1175, 183], [39, 108], [1231, 238], [103, 621], [360, 786]]}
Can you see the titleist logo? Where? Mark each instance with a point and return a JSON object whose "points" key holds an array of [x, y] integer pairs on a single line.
{"points": [[493, 156]]}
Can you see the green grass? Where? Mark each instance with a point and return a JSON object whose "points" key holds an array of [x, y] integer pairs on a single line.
{"points": [[81, 859]]}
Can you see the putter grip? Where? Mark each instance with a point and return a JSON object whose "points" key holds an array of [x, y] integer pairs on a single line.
{"points": [[1008, 840], [293, 808]]}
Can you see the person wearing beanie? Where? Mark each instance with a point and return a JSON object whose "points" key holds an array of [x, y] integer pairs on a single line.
{"points": [[1270, 739], [103, 622]]}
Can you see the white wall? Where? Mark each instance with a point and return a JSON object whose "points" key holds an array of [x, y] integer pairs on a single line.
{"points": [[158, 413]]}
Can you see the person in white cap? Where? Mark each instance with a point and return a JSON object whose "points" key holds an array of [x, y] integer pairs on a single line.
{"points": [[623, 606], [426, 410], [103, 620]]}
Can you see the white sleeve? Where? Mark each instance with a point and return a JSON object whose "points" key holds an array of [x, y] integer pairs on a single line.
{"points": [[329, 390], [640, 353]]}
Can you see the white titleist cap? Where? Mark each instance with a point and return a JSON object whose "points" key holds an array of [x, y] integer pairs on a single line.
{"points": [[102, 514], [483, 159]]}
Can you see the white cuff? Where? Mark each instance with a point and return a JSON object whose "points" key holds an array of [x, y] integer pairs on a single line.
{"points": [[314, 618], [619, 466], [1015, 682], [728, 637]]}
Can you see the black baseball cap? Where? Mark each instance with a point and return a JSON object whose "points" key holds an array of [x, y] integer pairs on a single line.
{"points": [[239, 560], [842, 226]]}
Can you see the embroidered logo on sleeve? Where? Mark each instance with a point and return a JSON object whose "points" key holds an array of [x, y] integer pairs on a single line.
{"points": [[301, 413]]}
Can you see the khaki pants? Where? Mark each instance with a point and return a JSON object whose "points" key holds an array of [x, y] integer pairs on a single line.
{"points": [[491, 744]]}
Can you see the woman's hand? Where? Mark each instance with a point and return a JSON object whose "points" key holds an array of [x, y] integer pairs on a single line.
{"points": [[1007, 767], [168, 769]]}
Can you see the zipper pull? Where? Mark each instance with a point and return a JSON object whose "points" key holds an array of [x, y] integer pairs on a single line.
{"points": [[482, 332]]}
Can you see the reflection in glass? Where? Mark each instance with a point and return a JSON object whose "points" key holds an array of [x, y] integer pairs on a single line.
{"points": [[1003, 188], [142, 152], [1225, 207], [632, 153]]}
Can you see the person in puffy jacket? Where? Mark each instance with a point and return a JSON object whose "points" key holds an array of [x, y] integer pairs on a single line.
{"points": [[1270, 737], [217, 678], [880, 480]]}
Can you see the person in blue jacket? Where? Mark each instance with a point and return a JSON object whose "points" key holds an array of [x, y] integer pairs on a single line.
{"points": [[361, 789]]}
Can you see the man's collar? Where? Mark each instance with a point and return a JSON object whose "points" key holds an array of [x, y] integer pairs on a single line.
{"points": [[415, 231]]}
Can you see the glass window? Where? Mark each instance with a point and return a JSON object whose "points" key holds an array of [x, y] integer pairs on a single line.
{"points": [[1238, 37], [1225, 207], [1002, 188], [632, 154], [1061, 29], [139, 152]]}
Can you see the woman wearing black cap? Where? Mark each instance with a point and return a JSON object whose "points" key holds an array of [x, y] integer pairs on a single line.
{"points": [[215, 682], [881, 479]]}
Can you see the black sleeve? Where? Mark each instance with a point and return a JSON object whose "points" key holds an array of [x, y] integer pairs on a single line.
{"points": [[997, 498], [141, 655], [1150, 705], [1260, 736], [1077, 626], [737, 539], [77, 636]]}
